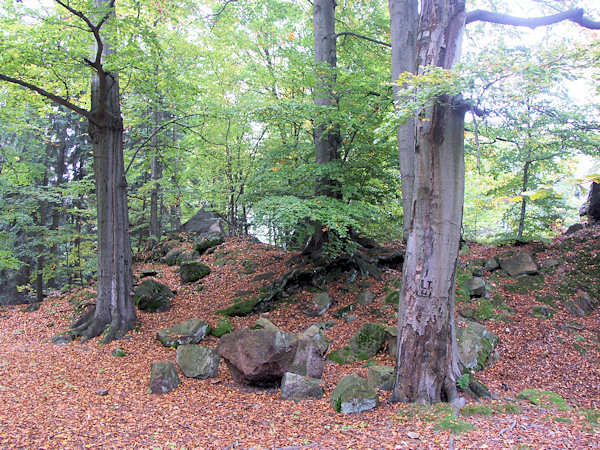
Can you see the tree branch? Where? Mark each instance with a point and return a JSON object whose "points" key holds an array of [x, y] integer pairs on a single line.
{"points": [[348, 33], [574, 15], [55, 98]]}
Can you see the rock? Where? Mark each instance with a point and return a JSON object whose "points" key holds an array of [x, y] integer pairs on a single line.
{"points": [[173, 257], [152, 296], [242, 293], [203, 222], [351, 277], [223, 327], [350, 318], [296, 387], [478, 272], [191, 331], [518, 263], [309, 355], [163, 377], [207, 242], [148, 273], [193, 271], [264, 276], [475, 343], [365, 344], [542, 312], [266, 324], [32, 307], [259, 357], [64, 338], [342, 312], [491, 265], [196, 361], [548, 263], [326, 325], [118, 352], [574, 228], [381, 377], [581, 305], [352, 395], [391, 339], [475, 287], [320, 304], [242, 308], [365, 298], [102, 392]]}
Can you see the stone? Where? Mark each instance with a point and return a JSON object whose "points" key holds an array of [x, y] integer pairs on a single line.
{"points": [[118, 352], [342, 312], [365, 344], [264, 276], [491, 265], [475, 343], [152, 296], [64, 338], [574, 228], [173, 257], [381, 377], [365, 298], [208, 242], [391, 339], [191, 331], [518, 263], [352, 394], [326, 325], [148, 273], [163, 377], [475, 287], [193, 271], [102, 392], [351, 277], [581, 305], [309, 355], [266, 324], [477, 272], [320, 303], [296, 387], [258, 357], [542, 312], [548, 263], [196, 361], [203, 222], [350, 318]]}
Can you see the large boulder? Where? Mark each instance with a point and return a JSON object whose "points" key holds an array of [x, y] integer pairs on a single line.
{"points": [[366, 343], [475, 343], [352, 395], [296, 387], [163, 377], [518, 263], [203, 222], [320, 303], [193, 271], [365, 298], [207, 242], [259, 357], [381, 377], [196, 361], [475, 287], [191, 331], [262, 356], [152, 296]]}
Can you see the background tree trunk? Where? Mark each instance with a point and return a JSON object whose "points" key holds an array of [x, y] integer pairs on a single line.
{"points": [[427, 360]]}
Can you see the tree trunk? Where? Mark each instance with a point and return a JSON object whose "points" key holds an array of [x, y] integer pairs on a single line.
{"points": [[523, 200], [404, 20], [427, 360]]}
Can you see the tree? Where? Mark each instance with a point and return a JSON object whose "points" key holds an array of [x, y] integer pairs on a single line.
{"points": [[114, 306], [427, 364]]}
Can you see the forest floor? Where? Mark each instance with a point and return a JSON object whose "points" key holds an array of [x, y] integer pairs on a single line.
{"points": [[49, 393]]}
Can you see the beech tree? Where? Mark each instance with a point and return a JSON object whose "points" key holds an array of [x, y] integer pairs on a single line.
{"points": [[427, 364], [115, 306]]}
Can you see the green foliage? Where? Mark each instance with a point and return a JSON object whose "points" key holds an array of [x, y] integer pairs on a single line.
{"points": [[463, 381], [544, 399], [223, 327], [477, 410]]}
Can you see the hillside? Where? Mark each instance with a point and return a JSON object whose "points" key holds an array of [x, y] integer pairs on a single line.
{"points": [[53, 395]]}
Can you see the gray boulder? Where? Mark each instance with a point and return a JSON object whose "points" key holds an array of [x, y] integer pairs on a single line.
{"points": [[518, 263], [491, 265], [193, 271], [581, 305], [475, 343], [365, 298], [475, 287], [207, 242], [196, 361], [266, 324], [320, 303], [309, 355], [296, 387], [574, 228], [352, 395], [203, 222], [163, 377], [368, 340], [381, 377], [391, 338], [191, 331], [173, 257], [152, 296]]}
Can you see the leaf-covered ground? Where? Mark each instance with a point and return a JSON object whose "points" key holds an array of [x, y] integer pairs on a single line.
{"points": [[50, 393]]}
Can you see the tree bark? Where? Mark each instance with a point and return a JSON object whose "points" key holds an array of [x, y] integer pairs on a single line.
{"points": [[155, 176], [523, 200], [403, 25], [427, 360]]}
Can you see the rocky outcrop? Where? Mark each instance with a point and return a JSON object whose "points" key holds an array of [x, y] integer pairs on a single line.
{"points": [[518, 263], [203, 222], [381, 377], [152, 296], [475, 343]]}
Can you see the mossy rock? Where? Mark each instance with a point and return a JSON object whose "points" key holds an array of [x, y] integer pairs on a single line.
{"points": [[152, 296], [242, 308], [208, 242], [393, 298], [542, 312], [544, 399], [365, 344], [193, 271], [223, 327], [173, 257], [343, 311]]}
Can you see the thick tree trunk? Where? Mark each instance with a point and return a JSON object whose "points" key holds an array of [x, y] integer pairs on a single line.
{"points": [[427, 359], [404, 19]]}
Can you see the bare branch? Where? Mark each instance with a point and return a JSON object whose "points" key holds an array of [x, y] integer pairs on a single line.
{"points": [[348, 33], [55, 98], [574, 15]]}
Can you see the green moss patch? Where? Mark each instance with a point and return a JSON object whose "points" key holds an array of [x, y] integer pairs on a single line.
{"points": [[223, 327], [477, 410], [242, 308], [544, 399]]}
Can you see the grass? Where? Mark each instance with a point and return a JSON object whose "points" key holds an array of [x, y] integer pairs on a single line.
{"points": [[544, 399]]}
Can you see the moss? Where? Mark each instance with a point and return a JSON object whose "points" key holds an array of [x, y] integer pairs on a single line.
{"points": [[485, 310], [592, 416], [507, 408], [477, 410], [242, 308], [484, 353], [343, 311], [393, 298], [223, 327], [544, 399], [542, 312], [342, 356], [525, 284]]}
